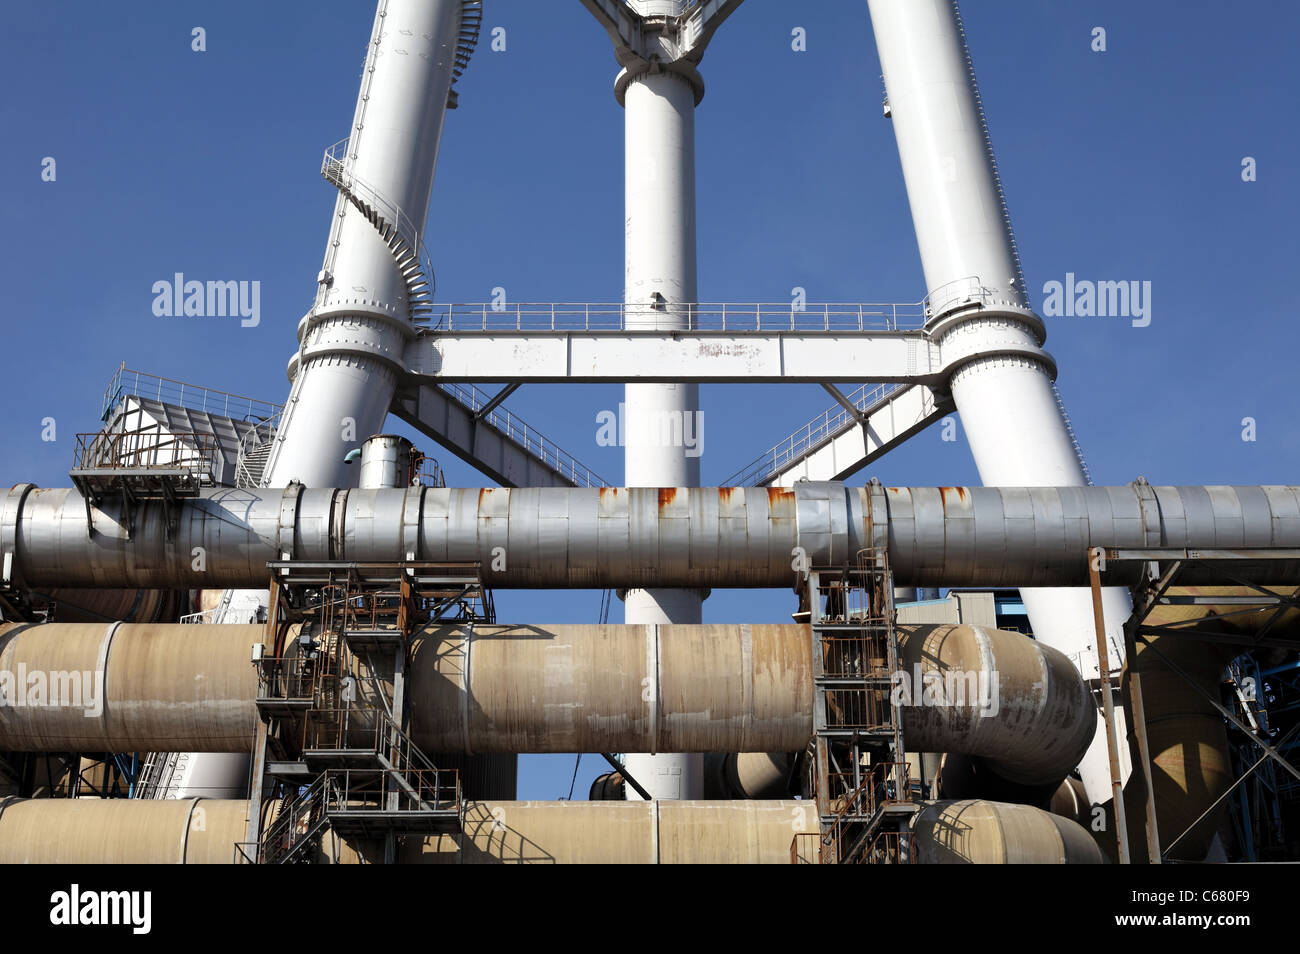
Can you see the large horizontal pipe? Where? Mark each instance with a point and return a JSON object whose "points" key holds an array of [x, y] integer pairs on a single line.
{"points": [[193, 831], [983, 832], [639, 537], [71, 831], [642, 688]]}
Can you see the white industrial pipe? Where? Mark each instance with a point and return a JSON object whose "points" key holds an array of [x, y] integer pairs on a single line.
{"points": [[661, 421], [659, 124], [1008, 404], [615, 537], [344, 374]]}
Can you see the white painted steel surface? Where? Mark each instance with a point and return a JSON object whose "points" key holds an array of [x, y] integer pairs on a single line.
{"points": [[351, 344], [667, 537], [660, 272], [1015, 429]]}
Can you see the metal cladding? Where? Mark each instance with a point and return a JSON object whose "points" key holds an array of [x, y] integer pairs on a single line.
{"points": [[132, 831], [663, 831], [127, 688], [192, 831], [981, 832], [638, 537], [530, 688], [643, 688], [1019, 705]]}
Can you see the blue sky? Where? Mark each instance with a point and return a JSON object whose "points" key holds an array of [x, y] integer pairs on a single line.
{"points": [[1123, 165]]}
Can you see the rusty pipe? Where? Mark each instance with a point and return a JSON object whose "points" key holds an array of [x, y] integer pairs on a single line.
{"points": [[639, 537], [507, 689]]}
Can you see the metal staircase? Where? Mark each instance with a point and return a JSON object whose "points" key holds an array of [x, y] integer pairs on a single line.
{"points": [[816, 434], [396, 230], [254, 453], [860, 774], [471, 23], [1069, 430], [332, 700]]}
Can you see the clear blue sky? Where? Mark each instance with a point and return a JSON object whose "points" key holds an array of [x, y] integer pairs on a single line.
{"points": [[1117, 165]]}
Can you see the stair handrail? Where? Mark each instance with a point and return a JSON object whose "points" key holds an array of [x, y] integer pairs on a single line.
{"points": [[335, 169]]}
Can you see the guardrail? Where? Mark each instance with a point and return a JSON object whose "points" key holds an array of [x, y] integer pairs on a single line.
{"points": [[772, 317], [147, 448], [536, 443], [811, 436], [128, 383]]}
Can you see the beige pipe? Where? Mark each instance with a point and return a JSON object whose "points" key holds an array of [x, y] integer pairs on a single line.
{"points": [[129, 687], [120, 831], [1040, 717], [201, 831], [670, 688], [980, 832]]}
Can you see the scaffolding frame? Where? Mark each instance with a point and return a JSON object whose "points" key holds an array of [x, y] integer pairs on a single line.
{"points": [[860, 777], [341, 746]]}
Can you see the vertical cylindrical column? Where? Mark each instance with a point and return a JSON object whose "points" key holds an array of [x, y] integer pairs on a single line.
{"points": [[660, 280], [1008, 405], [345, 380]]}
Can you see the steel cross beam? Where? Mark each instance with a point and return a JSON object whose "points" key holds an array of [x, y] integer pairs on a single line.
{"points": [[628, 355], [489, 438]]}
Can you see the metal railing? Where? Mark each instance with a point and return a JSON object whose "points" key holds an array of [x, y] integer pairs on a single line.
{"points": [[335, 169], [806, 848], [128, 383], [816, 433], [255, 451], [532, 440], [288, 677], [298, 822], [355, 790], [152, 447], [739, 317]]}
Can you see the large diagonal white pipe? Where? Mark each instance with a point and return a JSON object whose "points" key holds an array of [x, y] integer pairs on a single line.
{"points": [[345, 372], [1008, 404]]}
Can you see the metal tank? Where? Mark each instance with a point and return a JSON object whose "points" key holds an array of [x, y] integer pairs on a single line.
{"points": [[385, 462]]}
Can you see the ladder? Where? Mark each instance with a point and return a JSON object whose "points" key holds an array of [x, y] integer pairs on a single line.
{"points": [[860, 774]]}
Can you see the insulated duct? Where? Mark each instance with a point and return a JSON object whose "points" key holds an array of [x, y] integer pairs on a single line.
{"points": [[529, 688], [64, 831], [658, 537]]}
